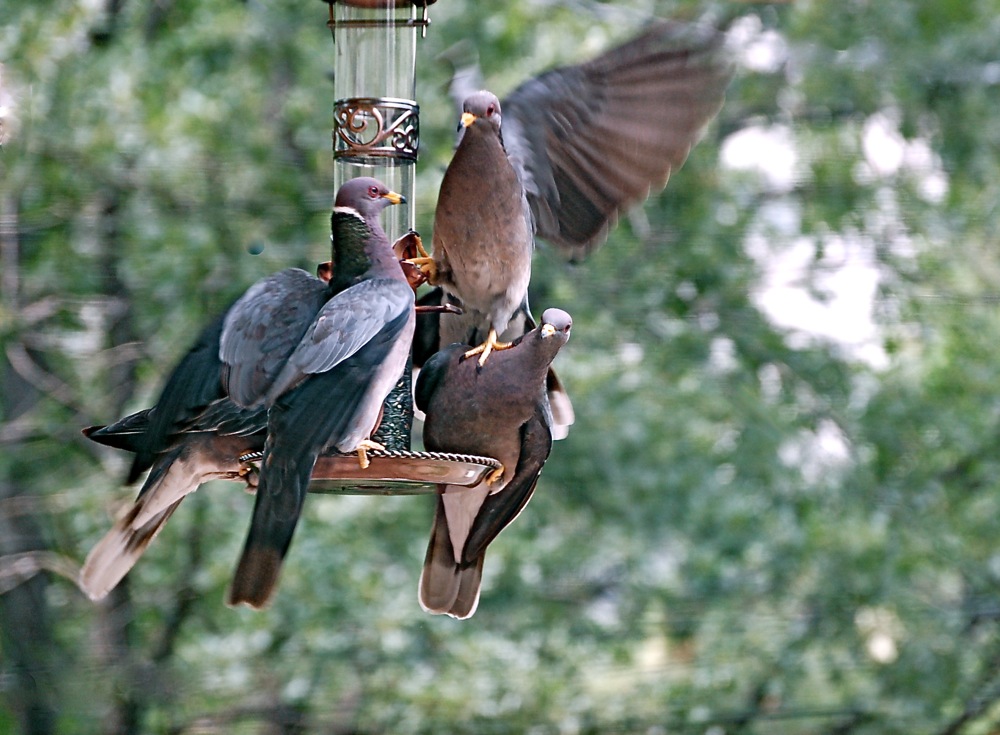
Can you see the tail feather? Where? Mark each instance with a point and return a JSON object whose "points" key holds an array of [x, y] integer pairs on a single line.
{"points": [[280, 496], [170, 479], [256, 576], [173, 476], [449, 586], [115, 554], [470, 580]]}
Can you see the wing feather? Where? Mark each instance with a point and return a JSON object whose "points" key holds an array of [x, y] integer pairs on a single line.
{"points": [[263, 328], [344, 325], [192, 385], [591, 140], [500, 509]]}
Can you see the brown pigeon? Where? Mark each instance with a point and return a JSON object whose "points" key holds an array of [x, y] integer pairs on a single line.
{"points": [[206, 449], [498, 410]]}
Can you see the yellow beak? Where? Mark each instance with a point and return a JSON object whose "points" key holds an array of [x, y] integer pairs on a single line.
{"points": [[394, 198], [548, 330], [467, 119]]}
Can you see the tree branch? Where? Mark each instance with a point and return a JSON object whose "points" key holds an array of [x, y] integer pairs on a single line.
{"points": [[986, 695], [18, 568], [37, 377]]}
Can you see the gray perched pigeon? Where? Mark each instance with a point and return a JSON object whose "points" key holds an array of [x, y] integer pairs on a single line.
{"points": [[498, 410], [576, 146], [216, 402], [328, 393]]}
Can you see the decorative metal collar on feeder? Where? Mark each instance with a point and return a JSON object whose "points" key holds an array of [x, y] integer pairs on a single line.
{"points": [[370, 128]]}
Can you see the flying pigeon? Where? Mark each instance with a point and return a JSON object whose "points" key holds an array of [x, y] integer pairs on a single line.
{"points": [[498, 410], [577, 145]]}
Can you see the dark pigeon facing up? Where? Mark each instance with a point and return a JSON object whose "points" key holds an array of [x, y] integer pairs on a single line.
{"points": [[577, 146], [329, 392], [433, 331], [499, 410]]}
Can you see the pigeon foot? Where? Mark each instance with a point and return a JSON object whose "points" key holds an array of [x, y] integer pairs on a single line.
{"points": [[484, 350], [495, 475], [364, 447], [426, 265]]}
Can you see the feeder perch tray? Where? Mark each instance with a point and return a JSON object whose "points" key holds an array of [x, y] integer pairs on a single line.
{"points": [[392, 472]]}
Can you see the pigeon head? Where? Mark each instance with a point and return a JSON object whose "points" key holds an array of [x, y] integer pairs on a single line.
{"points": [[359, 243], [481, 105], [367, 197], [557, 324]]}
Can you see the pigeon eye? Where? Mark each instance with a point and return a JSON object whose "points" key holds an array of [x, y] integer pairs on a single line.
{"points": [[373, 192], [490, 110]]}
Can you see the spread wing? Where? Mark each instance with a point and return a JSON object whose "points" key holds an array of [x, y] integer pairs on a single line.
{"points": [[263, 328], [344, 325], [591, 140]]}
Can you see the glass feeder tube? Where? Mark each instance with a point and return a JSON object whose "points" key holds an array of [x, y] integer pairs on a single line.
{"points": [[376, 129]]}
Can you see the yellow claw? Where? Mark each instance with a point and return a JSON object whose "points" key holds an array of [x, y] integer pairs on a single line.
{"points": [[426, 265], [364, 447], [248, 471], [495, 475], [484, 350]]}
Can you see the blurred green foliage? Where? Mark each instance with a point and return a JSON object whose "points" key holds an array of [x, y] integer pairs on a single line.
{"points": [[777, 512]]}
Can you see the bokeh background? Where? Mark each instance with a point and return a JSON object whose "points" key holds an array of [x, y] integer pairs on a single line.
{"points": [[778, 511]]}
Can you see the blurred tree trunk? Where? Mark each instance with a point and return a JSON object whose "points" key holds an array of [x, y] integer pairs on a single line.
{"points": [[25, 627], [114, 635]]}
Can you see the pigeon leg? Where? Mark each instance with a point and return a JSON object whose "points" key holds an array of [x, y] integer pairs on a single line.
{"points": [[414, 259], [249, 472], [484, 350], [422, 259], [364, 447], [419, 242]]}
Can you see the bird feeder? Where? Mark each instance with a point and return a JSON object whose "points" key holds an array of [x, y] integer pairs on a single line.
{"points": [[376, 132]]}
